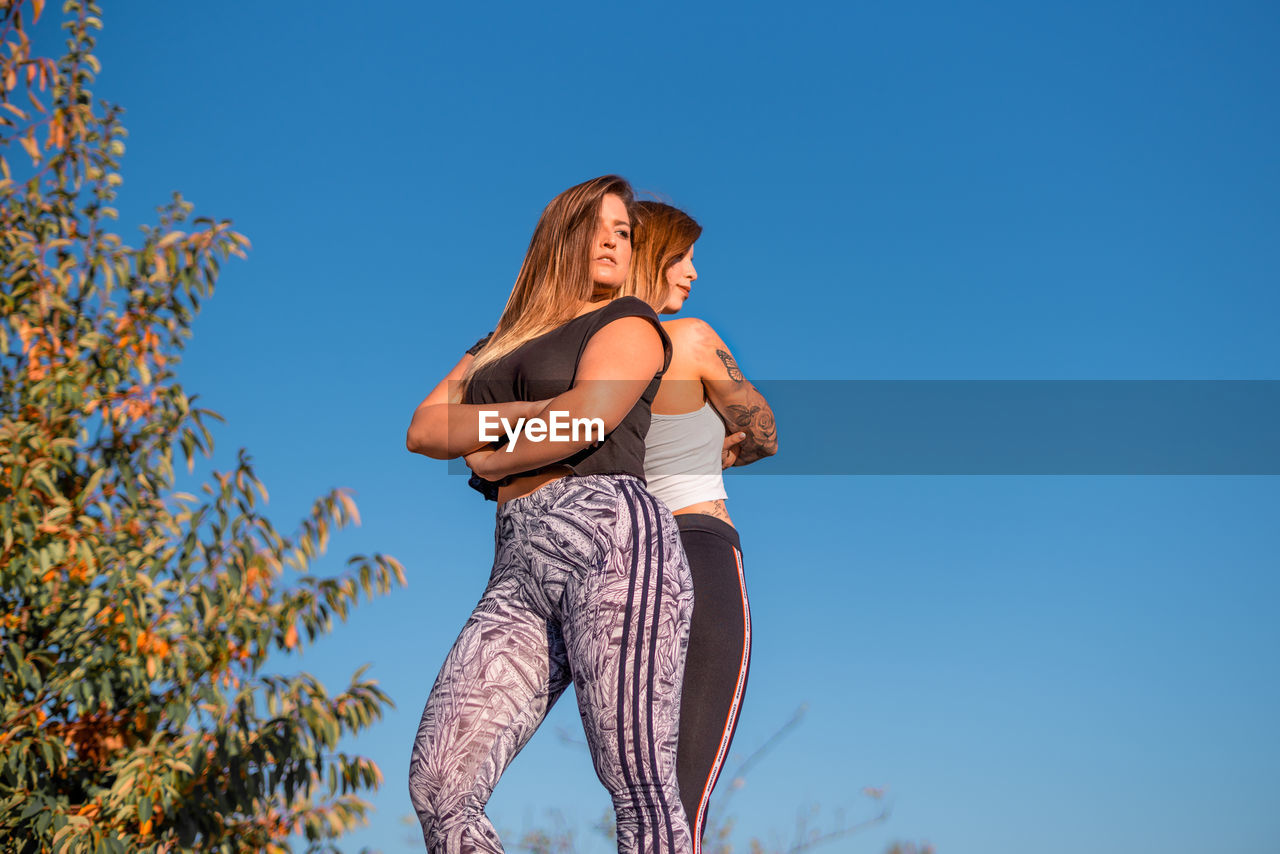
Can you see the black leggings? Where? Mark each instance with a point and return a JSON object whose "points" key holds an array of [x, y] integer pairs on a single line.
{"points": [[715, 674]]}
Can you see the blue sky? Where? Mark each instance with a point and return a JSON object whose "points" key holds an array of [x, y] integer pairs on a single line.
{"points": [[925, 191]]}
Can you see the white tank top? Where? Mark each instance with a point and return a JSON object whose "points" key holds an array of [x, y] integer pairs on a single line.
{"points": [[682, 457]]}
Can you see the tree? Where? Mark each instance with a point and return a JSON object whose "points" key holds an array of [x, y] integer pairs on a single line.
{"points": [[135, 709]]}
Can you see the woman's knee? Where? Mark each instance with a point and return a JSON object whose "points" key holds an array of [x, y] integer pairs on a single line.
{"points": [[447, 798], [447, 815], [424, 788], [649, 821]]}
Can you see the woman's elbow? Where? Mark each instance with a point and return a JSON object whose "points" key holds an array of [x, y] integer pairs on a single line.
{"points": [[761, 447], [416, 444], [420, 439], [755, 453]]}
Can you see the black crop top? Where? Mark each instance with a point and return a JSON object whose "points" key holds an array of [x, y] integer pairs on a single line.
{"points": [[547, 367]]}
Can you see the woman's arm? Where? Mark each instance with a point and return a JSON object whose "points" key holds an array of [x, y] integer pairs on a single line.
{"points": [[617, 365], [739, 403], [443, 427]]}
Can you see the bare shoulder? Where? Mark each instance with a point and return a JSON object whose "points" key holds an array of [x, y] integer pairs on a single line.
{"points": [[625, 331], [626, 344], [691, 332]]}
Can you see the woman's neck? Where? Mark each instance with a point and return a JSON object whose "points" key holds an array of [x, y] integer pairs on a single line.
{"points": [[597, 301]]}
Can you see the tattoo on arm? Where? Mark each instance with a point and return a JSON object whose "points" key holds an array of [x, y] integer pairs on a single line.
{"points": [[743, 409], [756, 420], [730, 365]]}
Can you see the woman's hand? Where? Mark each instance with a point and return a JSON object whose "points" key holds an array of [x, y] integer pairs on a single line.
{"points": [[487, 462], [617, 365], [480, 462], [729, 453]]}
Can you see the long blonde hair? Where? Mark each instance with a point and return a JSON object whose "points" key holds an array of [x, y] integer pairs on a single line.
{"points": [[555, 278], [662, 235]]}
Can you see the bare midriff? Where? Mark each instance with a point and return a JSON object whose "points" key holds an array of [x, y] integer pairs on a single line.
{"points": [[530, 483], [707, 508]]}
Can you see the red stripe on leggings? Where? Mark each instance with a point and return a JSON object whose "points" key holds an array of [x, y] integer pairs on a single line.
{"points": [[732, 718]]}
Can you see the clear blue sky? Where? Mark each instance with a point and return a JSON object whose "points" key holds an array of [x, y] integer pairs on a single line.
{"points": [[919, 191]]}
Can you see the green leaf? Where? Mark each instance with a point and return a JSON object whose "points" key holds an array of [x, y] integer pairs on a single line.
{"points": [[147, 567]]}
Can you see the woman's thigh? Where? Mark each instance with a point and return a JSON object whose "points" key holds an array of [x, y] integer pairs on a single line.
{"points": [[716, 668], [626, 623], [503, 674]]}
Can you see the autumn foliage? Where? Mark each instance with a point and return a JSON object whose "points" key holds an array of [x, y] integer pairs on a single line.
{"points": [[135, 710]]}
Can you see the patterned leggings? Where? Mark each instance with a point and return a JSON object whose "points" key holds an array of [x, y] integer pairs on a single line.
{"points": [[589, 584]]}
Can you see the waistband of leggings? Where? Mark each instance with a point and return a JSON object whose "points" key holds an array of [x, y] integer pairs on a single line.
{"points": [[552, 491], [709, 525]]}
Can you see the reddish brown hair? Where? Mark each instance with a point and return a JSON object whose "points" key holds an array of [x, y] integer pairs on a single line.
{"points": [[662, 236]]}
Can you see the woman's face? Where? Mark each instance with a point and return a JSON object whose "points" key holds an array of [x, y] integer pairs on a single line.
{"points": [[611, 249], [680, 277]]}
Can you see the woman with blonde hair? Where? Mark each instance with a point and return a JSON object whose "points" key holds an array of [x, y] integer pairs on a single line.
{"points": [[589, 583], [703, 396]]}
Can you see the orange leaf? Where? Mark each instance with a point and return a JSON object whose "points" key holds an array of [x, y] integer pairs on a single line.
{"points": [[291, 637], [29, 143]]}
